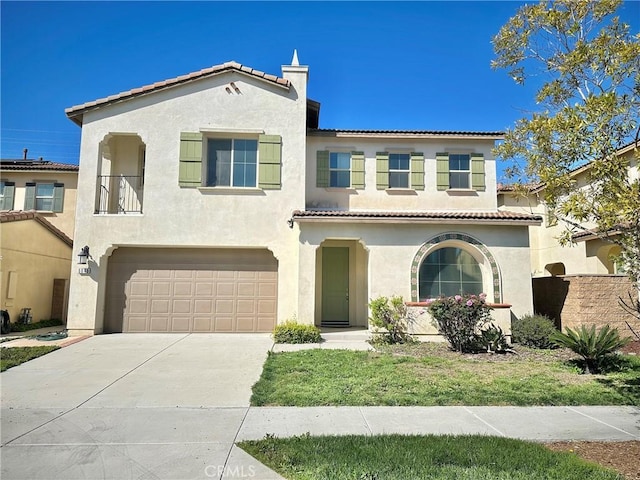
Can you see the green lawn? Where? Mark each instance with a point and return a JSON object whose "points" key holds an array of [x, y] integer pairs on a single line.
{"points": [[10, 357], [432, 375], [391, 457]]}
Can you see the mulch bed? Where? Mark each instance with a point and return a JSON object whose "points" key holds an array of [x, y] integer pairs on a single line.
{"points": [[623, 457]]}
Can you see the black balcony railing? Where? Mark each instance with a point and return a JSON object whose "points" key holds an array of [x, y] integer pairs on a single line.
{"points": [[119, 194]]}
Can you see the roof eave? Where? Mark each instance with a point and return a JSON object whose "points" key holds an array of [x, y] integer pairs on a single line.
{"points": [[413, 220], [76, 112]]}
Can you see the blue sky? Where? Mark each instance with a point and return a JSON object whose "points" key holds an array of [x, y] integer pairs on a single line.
{"points": [[373, 65]]}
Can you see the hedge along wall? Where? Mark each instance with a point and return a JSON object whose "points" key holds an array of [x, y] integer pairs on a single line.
{"points": [[573, 300]]}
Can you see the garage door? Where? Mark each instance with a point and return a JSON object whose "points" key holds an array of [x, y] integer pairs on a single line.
{"points": [[191, 290]]}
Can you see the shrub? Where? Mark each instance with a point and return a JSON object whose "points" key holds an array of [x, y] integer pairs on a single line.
{"points": [[533, 331], [460, 319], [492, 339], [294, 332], [593, 346], [391, 319], [25, 327]]}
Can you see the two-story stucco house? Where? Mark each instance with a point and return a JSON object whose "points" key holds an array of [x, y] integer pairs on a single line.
{"points": [[212, 202], [37, 213]]}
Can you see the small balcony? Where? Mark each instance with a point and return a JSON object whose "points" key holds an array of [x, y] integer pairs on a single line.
{"points": [[119, 194]]}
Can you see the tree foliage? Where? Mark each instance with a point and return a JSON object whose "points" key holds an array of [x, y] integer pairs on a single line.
{"points": [[587, 62]]}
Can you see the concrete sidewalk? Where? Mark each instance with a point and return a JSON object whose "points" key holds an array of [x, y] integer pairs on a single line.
{"points": [[173, 407]]}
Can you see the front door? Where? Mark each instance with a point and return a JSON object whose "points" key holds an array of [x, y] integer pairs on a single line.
{"points": [[335, 286]]}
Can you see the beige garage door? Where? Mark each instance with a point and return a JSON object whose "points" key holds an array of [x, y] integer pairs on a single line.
{"points": [[191, 290]]}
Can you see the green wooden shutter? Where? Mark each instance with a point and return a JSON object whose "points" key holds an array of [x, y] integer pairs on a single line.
{"points": [[58, 197], [442, 169], [357, 170], [477, 172], [30, 196], [190, 174], [270, 158], [7, 196], [382, 170], [417, 170], [322, 168]]}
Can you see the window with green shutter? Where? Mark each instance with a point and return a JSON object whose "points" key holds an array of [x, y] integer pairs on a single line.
{"points": [[190, 173], [7, 192], [340, 169], [382, 170], [460, 171], [230, 162], [44, 196], [417, 171], [270, 157]]}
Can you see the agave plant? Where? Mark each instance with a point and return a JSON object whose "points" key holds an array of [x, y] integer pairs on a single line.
{"points": [[590, 344]]}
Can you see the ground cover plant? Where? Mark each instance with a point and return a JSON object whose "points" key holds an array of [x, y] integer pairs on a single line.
{"points": [[431, 374], [11, 357], [391, 457], [24, 327]]}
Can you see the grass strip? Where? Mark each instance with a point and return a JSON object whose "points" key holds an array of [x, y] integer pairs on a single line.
{"points": [[13, 356], [341, 377], [400, 457]]}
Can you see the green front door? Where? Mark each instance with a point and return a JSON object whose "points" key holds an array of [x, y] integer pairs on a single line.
{"points": [[335, 286]]}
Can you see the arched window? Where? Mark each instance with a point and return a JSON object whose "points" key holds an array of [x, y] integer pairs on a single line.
{"points": [[449, 271]]}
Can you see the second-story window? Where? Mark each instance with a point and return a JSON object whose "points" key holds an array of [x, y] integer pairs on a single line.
{"points": [[459, 170], [44, 196], [340, 169], [399, 170], [231, 162]]}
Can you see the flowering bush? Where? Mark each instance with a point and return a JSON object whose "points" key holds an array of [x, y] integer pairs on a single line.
{"points": [[460, 319]]}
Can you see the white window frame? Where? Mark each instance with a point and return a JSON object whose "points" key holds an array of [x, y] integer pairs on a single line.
{"points": [[467, 171], [232, 138], [43, 197], [400, 171], [338, 170]]}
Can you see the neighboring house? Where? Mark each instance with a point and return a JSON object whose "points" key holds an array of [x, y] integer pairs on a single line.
{"points": [[37, 211], [46, 187], [35, 262], [212, 202], [589, 281]]}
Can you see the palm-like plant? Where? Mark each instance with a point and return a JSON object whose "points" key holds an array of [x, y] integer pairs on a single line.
{"points": [[590, 344]]}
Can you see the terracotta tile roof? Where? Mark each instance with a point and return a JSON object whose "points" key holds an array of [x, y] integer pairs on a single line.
{"points": [[12, 165], [412, 216], [19, 215], [75, 112], [325, 132]]}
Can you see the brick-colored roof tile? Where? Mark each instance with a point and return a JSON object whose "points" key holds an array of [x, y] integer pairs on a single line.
{"points": [[424, 216]]}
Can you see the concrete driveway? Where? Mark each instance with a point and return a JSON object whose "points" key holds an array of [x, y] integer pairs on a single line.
{"points": [[133, 406]]}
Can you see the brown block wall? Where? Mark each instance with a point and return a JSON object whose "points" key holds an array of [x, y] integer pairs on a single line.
{"points": [[573, 300]]}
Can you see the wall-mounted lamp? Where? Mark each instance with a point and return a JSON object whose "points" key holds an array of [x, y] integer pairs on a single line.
{"points": [[83, 257]]}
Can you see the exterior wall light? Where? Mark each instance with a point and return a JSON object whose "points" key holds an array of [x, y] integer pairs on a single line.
{"points": [[83, 257]]}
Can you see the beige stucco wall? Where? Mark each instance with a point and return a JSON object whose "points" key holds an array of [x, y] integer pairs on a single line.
{"points": [[391, 249], [373, 199], [32, 257], [189, 217], [64, 220]]}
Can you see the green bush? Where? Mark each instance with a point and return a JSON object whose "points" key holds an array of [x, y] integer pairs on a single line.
{"points": [[294, 332], [460, 320], [533, 331], [390, 318], [593, 346], [24, 327]]}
